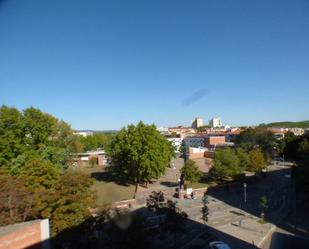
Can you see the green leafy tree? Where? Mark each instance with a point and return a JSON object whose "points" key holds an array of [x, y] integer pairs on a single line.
{"points": [[257, 160], [244, 159], [191, 172], [97, 140], [259, 137], [33, 132], [11, 135], [39, 174], [302, 170], [140, 153], [226, 164], [38, 127], [68, 202], [263, 204]]}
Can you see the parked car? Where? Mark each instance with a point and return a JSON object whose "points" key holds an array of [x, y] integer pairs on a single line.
{"points": [[218, 245]]}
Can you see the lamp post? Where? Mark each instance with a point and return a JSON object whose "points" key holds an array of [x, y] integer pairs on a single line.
{"points": [[245, 192]]}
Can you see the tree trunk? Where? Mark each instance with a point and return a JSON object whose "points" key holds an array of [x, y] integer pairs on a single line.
{"points": [[135, 191]]}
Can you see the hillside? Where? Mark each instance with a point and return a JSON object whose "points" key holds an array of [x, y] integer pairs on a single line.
{"points": [[289, 124]]}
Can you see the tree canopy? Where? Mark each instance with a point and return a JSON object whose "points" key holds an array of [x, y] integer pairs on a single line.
{"points": [[191, 172], [34, 181], [32, 132], [140, 152], [257, 160], [258, 137], [226, 164]]}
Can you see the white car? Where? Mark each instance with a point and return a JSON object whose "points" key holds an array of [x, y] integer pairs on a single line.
{"points": [[218, 245]]}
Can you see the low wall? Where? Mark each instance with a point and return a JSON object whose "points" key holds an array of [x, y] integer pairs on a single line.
{"points": [[30, 235], [126, 203], [198, 192]]}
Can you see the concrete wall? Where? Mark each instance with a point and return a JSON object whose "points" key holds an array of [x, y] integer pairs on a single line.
{"points": [[196, 153], [26, 235]]}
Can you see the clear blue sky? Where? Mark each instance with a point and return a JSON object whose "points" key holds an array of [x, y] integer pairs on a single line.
{"points": [[104, 64]]}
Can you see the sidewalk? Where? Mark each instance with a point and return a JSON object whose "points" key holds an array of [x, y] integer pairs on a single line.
{"points": [[250, 230]]}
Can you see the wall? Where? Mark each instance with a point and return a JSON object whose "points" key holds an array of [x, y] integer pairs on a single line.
{"points": [[196, 153], [214, 140], [29, 235]]}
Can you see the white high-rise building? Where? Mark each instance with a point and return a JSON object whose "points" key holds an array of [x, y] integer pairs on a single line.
{"points": [[215, 122], [198, 122]]}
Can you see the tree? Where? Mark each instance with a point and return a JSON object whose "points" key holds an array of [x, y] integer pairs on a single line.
{"points": [[68, 202], [16, 200], [263, 205], [39, 174], [38, 127], [205, 209], [33, 132], [244, 159], [182, 149], [302, 170], [257, 160], [156, 203], [226, 164], [11, 135], [258, 137], [140, 153], [96, 141], [191, 172]]}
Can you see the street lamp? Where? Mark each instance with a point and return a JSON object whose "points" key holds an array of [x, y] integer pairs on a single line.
{"points": [[245, 192]]}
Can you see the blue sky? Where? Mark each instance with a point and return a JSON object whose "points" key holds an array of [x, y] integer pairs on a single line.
{"points": [[104, 64]]}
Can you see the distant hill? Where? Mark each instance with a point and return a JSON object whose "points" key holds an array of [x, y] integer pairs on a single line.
{"points": [[96, 131], [288, 124]]}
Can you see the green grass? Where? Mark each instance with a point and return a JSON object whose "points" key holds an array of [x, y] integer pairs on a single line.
{"points": [[108, 189], [197, 185], [109, 192]]}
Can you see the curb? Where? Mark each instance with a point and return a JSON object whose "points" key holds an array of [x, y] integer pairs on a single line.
{"points": [[267, 235]]}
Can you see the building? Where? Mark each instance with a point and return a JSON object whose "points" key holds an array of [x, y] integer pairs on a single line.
{"points": [[84, 158], [198, 122], [278, 132], [215, 122], [212, 141], [194, 141], [297, 131], [84, 133], [182, 131], [194, 153], [176, 142]]}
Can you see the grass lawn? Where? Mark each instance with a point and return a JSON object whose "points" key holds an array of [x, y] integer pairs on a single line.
{"points": [[108, 190]]}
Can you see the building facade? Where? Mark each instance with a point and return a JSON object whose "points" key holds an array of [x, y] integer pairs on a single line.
{"points": [[198, 122], [215, 122]]}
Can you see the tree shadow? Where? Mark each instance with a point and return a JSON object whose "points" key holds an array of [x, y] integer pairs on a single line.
{"points": [[197, 235], [109, 175], [131, 233], [285, 209], [169, 184]]}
